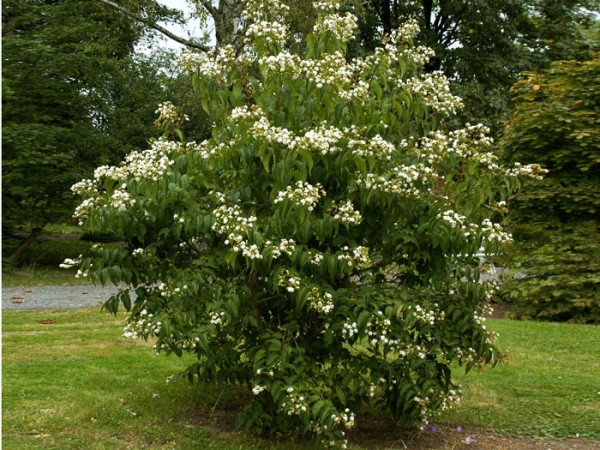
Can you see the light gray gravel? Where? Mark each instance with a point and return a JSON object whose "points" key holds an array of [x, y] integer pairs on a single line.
{"points": [[55, 297]]}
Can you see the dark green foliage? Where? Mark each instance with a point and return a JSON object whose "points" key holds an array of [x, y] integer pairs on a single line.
{"points": [[483, 45], [74, 97], [555, 124], [563, 273]]}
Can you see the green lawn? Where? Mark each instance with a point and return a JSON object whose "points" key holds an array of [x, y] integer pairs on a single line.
{"points": [[40, 276], [77, 383]]}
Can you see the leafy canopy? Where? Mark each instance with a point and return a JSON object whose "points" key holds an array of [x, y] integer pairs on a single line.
{"points": [[555, 123], [318, 247]]}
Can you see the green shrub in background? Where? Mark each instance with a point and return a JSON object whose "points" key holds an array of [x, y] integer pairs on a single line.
{"points": [[318, 248], [557, 231], [562, 267]]}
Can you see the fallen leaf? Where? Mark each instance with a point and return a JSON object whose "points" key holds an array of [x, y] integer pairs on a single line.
{"points": [[28, 291], [556, 415], [16, 297], [121, 400], [18, 301], [47, 322], [93, 420]]}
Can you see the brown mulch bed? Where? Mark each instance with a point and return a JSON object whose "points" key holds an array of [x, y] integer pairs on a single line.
{"points": [[383, 433]]}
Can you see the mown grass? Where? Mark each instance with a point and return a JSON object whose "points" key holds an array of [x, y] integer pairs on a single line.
{"points": [[40, 276], [77, 383], [550, 386]]}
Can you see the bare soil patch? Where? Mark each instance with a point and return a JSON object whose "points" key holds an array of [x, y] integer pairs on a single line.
{"points": [[383, 433]]}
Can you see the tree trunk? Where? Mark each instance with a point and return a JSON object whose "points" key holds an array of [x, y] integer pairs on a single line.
{"points": [[227, 22], [26, 243]]}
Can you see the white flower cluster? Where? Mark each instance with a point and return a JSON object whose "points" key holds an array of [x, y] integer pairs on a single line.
{"points": [[428, 317], [399, 181], [494, 232], [272, 32], [258, 13], [241, 113], [146, 165], [330, 70], [377, 330], [68, 262], [230, 222], [346, 418], [121, 200], [491, 288], [290, 283], [358, 92], [491, 231], [469, 356], [407, 31], [453, 218], [286, 246], [434, 87], [294, 403], [263, 129], [143, 327], [85, 187], [117, 173], [229, 219], [419, 55], [85, 208], [211, 65], [203, 149], [321, 303], [342, 27], [283, 62], [258, 389], [327, 6], [168, 111], [376, 146], [345, 213], [217, 318], [354, 257], [349, 329], [322, 139], [149, 164], [238, 243], [534, 171], [305, 194], [167, 290], [315, 257], [466, 142]]}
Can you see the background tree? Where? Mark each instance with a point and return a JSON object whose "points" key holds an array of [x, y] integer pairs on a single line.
{"points": [[483, 45], [556, 124], [74, 97]]}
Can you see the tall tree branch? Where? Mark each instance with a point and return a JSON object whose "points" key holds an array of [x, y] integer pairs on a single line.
{"points": [[154, 25], [210, 8]]}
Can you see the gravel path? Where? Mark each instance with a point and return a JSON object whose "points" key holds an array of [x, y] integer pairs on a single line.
{"points": [[55, 297]]}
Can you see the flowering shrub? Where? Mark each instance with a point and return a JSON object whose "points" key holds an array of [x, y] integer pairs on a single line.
{"points": [[318, 247]]}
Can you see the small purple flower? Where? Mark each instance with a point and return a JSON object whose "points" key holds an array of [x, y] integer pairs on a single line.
{"points": [[470, 439], [458, 429], [433, 429]]}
